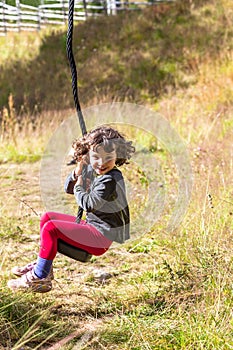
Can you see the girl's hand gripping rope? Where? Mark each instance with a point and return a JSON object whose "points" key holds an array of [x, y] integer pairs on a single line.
{"points": [[78, 172]]}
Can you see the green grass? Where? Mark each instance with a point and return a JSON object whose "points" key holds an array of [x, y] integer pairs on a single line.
{"points": [[140, 56], [169, 290], [13, 154]]}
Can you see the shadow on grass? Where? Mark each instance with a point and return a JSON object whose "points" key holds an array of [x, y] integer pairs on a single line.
{"points": [[133, 56]]}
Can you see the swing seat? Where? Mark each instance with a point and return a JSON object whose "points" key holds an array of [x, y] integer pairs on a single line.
{"points": [[73, 252]]}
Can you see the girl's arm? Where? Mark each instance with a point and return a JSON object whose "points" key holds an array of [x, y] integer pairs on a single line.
{"points": [[70, 183], [75, 176], [102, 191]]}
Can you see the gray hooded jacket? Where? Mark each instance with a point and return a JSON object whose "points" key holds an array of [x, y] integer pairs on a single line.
{"points": [[105, 203]]}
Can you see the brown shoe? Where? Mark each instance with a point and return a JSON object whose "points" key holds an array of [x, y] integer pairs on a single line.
{"points": [[29, 282]]}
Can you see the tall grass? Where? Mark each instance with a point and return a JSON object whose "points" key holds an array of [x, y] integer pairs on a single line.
{"points": [[25, 135]]}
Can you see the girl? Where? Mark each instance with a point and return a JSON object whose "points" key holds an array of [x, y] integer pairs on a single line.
{"points": [[104, 200]]}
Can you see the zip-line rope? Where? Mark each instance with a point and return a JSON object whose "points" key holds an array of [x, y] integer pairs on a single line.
{"points": [[74, 77]]}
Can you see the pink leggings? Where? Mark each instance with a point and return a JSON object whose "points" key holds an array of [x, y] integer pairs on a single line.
{"points": [[54, 226]]}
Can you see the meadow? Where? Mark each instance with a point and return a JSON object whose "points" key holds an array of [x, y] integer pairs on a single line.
{"points": [[167, 290]]}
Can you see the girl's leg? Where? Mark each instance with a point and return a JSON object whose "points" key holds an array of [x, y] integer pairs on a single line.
{"points": [[43, 266], [81, 235], [52, 215]]}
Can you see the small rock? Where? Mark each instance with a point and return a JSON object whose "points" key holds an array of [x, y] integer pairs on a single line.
{"points": [[101, 275]]}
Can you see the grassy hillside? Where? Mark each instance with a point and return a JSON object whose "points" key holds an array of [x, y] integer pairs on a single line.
{"points": [[135, 56], [167, 290]]}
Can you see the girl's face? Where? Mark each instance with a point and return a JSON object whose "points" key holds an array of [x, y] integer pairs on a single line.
{"points": [[101, 161]]}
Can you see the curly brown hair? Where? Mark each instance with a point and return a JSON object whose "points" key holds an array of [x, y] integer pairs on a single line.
{"points": [[108, 138]]}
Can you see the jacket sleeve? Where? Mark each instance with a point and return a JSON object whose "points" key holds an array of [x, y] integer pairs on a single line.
{"points": [[104, 190], [70, 183]]}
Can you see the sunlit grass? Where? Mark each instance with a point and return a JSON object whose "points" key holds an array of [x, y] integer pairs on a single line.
{"points": [[16, 154]]}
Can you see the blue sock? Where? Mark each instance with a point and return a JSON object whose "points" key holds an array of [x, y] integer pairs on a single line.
{"points": [[42, 267]]}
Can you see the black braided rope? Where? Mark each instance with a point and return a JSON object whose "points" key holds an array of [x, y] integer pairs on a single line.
{"points": [[74, 76], [69, 50]]}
